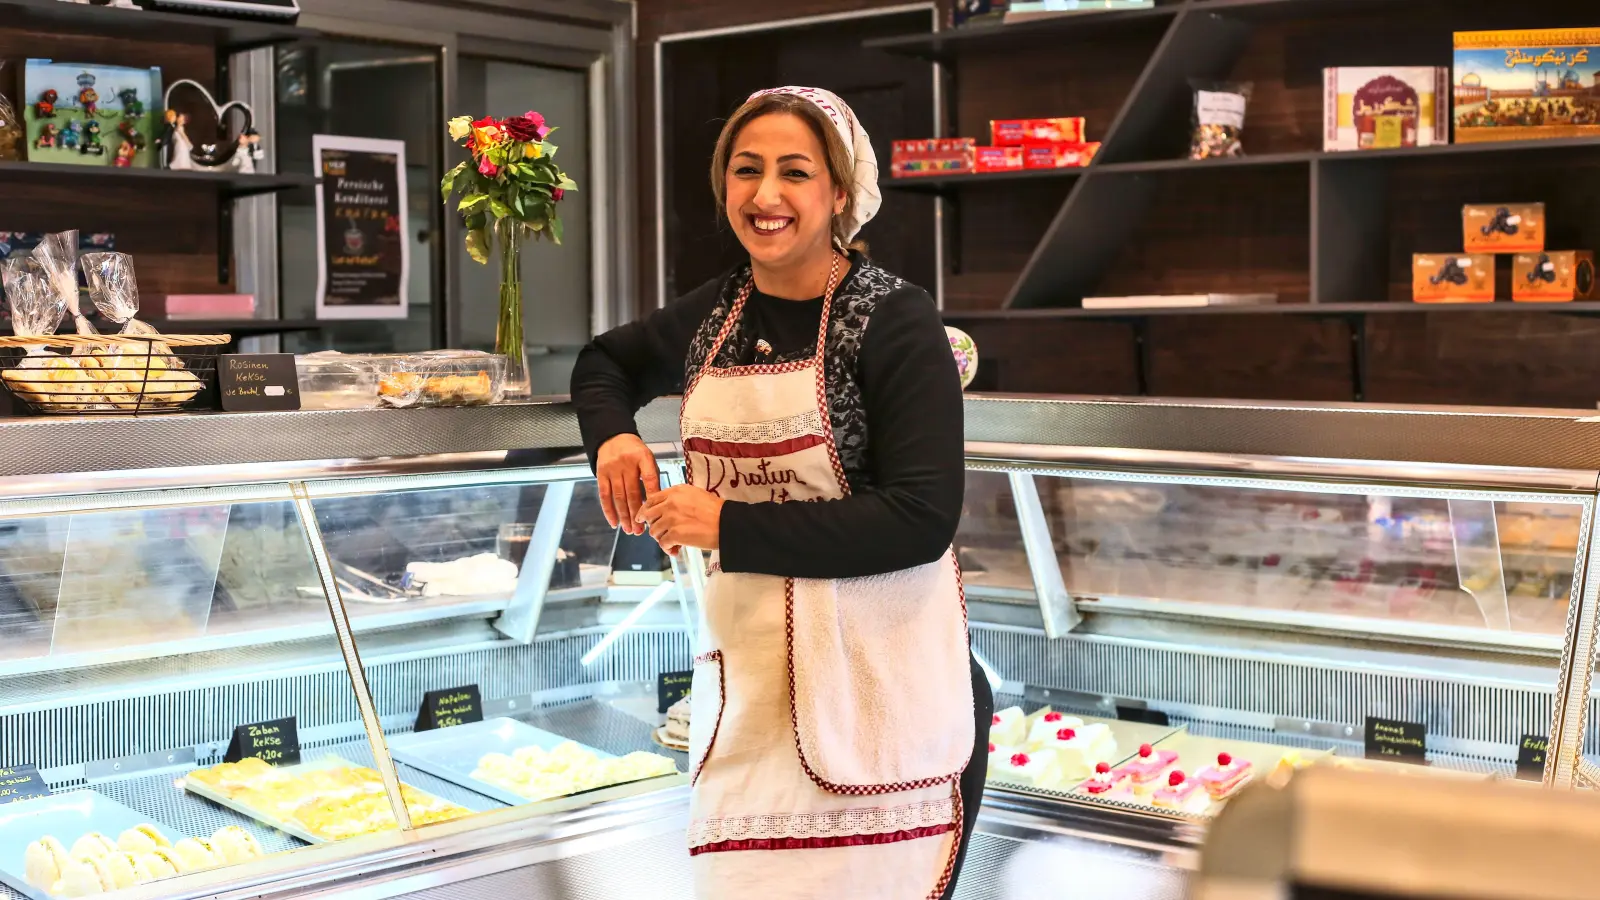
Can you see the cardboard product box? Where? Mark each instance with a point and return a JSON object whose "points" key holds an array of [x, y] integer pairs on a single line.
{"points": [[1452, 277], [998, 159], [1502, 227], [1059, 156], [1377, 108], [1526, 85], [1555, 276], [1016, 132], [931, 156]]}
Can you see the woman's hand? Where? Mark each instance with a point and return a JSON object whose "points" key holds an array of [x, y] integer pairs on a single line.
{"points": [[623, 466], [684, 516]]}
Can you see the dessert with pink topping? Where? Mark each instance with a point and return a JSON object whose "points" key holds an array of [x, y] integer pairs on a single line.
{"points": [[1027, 769], [1144, 770], [1226, 777], [1079, 747], [1180, 793], [1045, 727], [1008, 727], [1104, 780]]}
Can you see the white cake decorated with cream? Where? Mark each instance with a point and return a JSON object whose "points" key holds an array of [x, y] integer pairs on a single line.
{"points": [[1039, 770], [1009, 727], [1047, 724], [1079, 747]]}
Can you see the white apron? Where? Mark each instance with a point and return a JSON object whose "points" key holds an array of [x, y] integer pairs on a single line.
{"points": [[831, 719]]}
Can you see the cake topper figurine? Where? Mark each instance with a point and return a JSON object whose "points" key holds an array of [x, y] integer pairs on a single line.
{"points": [[233, 154]]}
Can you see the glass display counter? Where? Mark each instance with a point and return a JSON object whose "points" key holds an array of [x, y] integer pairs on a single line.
{"points": [[371, 645]]}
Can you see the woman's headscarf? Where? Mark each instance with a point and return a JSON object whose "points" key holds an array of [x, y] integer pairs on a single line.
{"points": [[864, 183]]}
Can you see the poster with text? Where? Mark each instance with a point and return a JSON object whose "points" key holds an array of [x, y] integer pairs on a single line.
{"points": [[363, 257]]}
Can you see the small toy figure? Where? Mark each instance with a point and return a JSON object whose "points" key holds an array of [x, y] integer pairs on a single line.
{"points": [[132, 106], [91, 139], [130, 135], [125, 154], [87, 97], [47, 137], [70, 135], [46, 107], [165, 140]]}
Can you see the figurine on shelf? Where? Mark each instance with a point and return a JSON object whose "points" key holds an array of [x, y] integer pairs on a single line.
{"points": [[167, 137], [132, 106], [47, 137], [87, 97], [70, 134], [179, 151], [250, 150], [130, 135], [126, 151], [91, 139], [46, 107]]}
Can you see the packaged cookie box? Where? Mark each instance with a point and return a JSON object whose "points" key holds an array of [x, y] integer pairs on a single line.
{"points": [[1526, 85], [1377, 108], [932, 156], [1016, 132], [1452, 277], [1554, 276], [998, 159], [1059, 155], [1502, 228], [333, 380]]}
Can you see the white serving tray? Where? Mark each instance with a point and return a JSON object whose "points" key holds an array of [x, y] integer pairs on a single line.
{"points": [[453, 753], [261, 815], [67, 816]]}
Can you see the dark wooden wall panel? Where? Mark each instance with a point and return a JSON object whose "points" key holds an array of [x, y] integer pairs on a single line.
{"points": [[1485, 359], [1059, 356], [1250, 357]]}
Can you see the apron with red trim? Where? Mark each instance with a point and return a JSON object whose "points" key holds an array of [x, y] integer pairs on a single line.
{"points": [[830, 719]]}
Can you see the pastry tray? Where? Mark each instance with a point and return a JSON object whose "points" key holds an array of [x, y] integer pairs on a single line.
{"points": [[1195, 752], [1128, 735], [453, 753], [266, 818], [67, 816]]}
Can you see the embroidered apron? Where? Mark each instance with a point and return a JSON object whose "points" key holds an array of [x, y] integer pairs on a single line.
{"points": [[831, 719]]}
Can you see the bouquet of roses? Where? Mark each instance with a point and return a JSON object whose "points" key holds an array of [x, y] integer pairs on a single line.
{"points": [[512, 175]]}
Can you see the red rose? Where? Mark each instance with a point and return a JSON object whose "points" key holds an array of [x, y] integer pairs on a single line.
{"points": [[527, 127], [556, 194], [487, 168]]}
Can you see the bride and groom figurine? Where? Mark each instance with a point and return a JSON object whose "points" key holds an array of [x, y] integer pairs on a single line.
{"points": [[179, 153]]}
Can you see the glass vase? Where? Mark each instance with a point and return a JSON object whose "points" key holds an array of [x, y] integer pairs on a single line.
{"points": [[508, 334]]}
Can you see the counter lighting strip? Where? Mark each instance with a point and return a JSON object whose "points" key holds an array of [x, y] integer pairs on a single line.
{"points": [[634, 615], [381, 759]]}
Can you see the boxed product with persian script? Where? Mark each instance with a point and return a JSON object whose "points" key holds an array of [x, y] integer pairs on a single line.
{"points": [[998, 159], [1452, 277], [1525, 85], [1502, 228], [1554, 276], [932, 156], [1370, 108], [1016, 132]]}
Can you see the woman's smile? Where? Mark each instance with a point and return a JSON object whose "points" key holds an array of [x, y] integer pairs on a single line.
{"points": [[769, 225]]}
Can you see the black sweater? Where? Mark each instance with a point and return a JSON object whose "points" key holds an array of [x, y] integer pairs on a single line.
{"points": [[912, 396]]}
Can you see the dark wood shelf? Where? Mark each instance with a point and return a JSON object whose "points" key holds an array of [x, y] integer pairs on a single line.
{"points": [[1585, 308], [943, 46], [944, 184], [1270, 160], [228, 184], [226, 35]]}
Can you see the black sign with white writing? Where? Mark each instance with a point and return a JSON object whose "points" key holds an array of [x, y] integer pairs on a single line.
{"points": [[1530, 757], [1397, 741], [670, 688], [22, 783], [1143, 714], [258, 382], [455, 706], [276, 742]]}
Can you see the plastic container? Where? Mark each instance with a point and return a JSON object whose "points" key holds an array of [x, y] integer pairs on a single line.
{"points": [[331, 380], [444, 378]]}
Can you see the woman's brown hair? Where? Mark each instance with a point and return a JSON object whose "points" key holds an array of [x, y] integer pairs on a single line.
{"points": [[841, 167]]}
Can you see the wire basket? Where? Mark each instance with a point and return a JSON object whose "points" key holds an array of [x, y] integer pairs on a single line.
{"points": [[112, 374]]}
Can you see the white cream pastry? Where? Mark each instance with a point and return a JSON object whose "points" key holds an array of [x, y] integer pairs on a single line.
{"points": [[142, 839], [1079, 747], [120, 871], [1047, 725], [195, 853], [43, 862], [677, 727], [141, 870], [162, 862], [84, 878], [93, 845], [232, 844], [1009, 727], [1038, 770]]}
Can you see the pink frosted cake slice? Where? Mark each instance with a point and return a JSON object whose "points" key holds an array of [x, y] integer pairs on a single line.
{"points": [[1180, 793], [1104, 780], [1145, 769], [1226, 777]]}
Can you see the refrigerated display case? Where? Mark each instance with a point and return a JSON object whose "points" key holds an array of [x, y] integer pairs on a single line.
{"points": [[425, 598]]}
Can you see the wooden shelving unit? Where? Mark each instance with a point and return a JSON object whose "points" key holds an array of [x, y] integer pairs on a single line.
{"points": [[225, 35], [1331, 233]]}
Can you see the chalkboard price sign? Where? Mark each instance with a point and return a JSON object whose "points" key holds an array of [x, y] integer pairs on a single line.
{"points": [[22, 783], [276, 742], [1397, 741], [1530, 757], [453, 706], [258, 382], [670, 688]]}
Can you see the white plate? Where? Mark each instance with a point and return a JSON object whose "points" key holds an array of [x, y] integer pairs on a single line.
{"points": [[67, 816]]}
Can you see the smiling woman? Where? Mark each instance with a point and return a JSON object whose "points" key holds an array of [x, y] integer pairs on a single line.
{"points": [[839, 725]]}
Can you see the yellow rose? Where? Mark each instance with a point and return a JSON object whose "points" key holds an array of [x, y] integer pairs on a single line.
{"points": [[532, 151], [460, 127], [487, 136]]}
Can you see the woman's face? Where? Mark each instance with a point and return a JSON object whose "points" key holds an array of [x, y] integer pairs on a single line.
{"points": [[780, 197]]}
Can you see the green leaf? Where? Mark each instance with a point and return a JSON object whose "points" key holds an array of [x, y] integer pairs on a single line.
{"points": [[478, 245], [448, 184], [499, 209], [472, 202], [536, 225], [567, 184], [478, 221], [555, 229]]}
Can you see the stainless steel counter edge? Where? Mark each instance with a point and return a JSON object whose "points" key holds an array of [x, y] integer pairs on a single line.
{"points": [[1460, 436]]}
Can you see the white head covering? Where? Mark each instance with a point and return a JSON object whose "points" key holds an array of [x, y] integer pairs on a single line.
{"points": [[864, 187]]}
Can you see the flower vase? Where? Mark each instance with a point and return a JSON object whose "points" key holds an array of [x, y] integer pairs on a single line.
{"points": [[508, 336]]}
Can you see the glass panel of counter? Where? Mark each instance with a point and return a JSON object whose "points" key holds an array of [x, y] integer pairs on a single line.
{"points": [[491, 693], [1240, 628], [172, 694], [994, 563]]}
